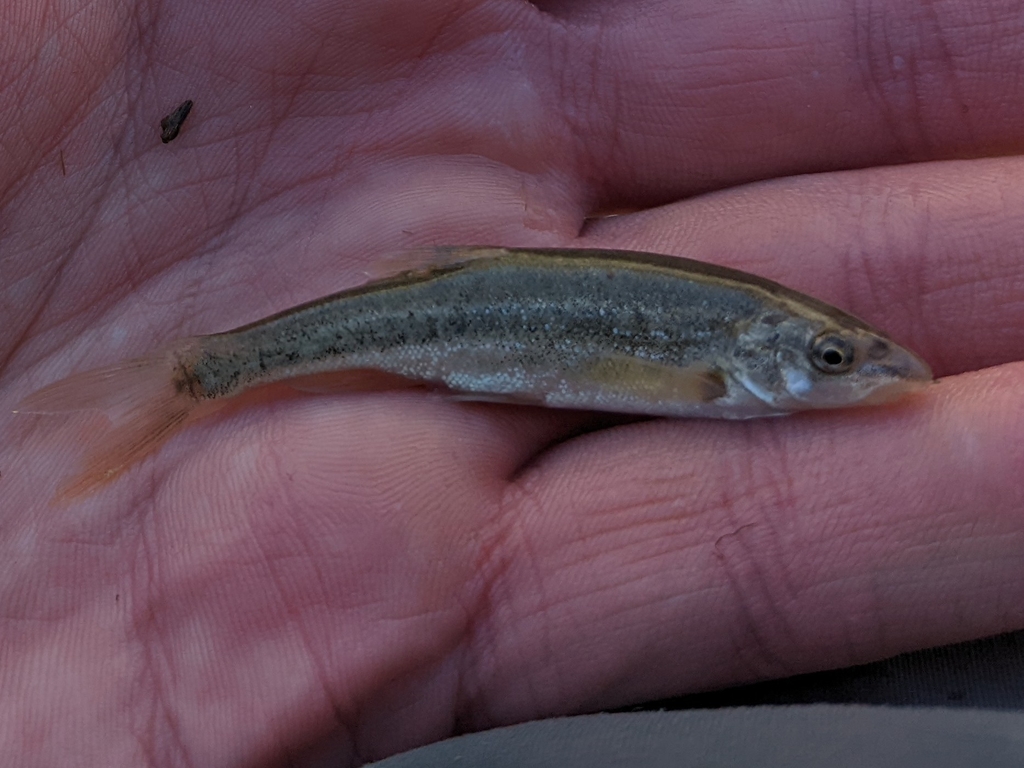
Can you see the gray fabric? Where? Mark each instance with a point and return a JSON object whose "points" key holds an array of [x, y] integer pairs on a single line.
{"points": [[939, 710], [820, 735], [985, 673]]}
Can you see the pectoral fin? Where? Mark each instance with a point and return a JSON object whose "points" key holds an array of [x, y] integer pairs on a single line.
{"points": [[657, 382]]}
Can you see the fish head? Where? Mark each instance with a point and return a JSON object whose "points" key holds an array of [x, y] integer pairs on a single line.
{"points": [[799, 361]]}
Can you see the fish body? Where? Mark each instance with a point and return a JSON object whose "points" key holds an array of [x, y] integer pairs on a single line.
{"points": [[588, 329], [603, 330]]}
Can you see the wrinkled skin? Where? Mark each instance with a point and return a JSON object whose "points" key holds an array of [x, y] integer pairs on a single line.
{"points": [[354, 575]]}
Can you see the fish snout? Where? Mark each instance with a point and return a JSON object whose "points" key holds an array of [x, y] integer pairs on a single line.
{"points": [[902, 364]]}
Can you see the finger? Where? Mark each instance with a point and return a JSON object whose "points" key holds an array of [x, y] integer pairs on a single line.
{"points": [[671, 557], [672, 98], [929, 252]]}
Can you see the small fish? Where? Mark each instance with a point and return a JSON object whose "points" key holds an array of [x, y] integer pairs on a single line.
{"points": [[171, 124], [563, 328]]}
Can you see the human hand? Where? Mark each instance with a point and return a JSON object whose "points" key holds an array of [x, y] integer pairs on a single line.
{"points": [[360, 574]]}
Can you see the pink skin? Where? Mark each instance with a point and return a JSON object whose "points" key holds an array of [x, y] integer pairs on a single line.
{"points": [[359, 574]]}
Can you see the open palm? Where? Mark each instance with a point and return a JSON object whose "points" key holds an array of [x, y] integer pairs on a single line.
{"points": [[365, 573]]}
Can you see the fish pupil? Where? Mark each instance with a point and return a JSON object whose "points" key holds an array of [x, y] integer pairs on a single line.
{"points": [[832, 354]]}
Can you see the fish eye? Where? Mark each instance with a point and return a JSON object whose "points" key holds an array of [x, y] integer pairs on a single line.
{"points": [[831, 353]]}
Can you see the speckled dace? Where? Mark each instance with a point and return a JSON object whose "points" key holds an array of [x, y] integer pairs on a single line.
{"points": [[587, 329]]}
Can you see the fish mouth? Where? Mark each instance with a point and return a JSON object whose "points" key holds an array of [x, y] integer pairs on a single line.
{"points": [[893, 390], [902, 373]]}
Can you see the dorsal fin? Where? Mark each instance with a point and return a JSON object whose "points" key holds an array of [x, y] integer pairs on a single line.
{"points": [[428, 258]]}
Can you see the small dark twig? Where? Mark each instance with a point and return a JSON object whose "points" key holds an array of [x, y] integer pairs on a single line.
{"points": [[171, 124]]}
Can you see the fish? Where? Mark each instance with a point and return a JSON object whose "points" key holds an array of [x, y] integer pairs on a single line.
{"points": [[591, 329]]}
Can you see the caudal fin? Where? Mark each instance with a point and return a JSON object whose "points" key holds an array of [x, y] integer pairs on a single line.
{"points": [[141, 400]]}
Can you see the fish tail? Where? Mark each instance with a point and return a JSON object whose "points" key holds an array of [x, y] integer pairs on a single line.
{"points": [[145, 401]]}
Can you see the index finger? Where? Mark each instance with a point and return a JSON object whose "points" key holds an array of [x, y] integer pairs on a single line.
{"points": [[668, 99]]}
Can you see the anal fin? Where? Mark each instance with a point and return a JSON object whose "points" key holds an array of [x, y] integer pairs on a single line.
{"points": [[353, 380]]}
